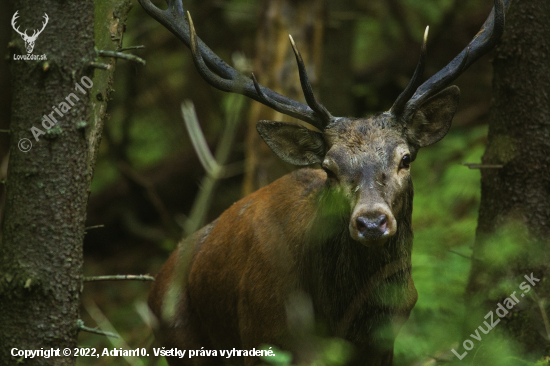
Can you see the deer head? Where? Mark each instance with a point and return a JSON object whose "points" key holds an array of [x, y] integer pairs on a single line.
{"points": [[366, 160], [29, 40]]}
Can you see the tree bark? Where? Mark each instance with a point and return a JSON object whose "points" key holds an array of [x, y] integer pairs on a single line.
{"points": [[275, 67], [336, 81], [48, 186], [513, 234]]}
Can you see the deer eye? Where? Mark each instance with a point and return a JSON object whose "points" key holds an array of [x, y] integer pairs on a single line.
{"points": [[405, 162]]}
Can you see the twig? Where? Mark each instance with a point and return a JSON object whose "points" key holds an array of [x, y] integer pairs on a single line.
{"points": [[544, 318], [119, 278], [103, 323], [483, 166], [460, 254], [93, 227], [84, 328], [197, 139], [131, 48], [233, 169], [5, 131], [121, 55], [214, 166], [100, 65], [399, 13]]}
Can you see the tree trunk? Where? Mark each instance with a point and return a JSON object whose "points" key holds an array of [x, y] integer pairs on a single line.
{"points": [[337, 80], [275, 67], [48, 185], [513, 234]]}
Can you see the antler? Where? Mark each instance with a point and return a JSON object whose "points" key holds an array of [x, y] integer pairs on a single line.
{"points": [[404, 97], [35, 34], [222, 76], [24, 34], [483, 42], [15, 16]]}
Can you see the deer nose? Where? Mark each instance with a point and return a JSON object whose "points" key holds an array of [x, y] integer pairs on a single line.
{"points": [[372, 228]]}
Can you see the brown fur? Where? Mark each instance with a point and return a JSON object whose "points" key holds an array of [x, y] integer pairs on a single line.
{"points": [[236, 279]]}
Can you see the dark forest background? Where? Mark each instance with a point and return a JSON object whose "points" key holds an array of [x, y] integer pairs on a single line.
{"points": [[148, 175]]}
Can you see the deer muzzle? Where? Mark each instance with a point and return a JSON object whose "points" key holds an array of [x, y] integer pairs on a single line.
{"points": [[372, 225]]}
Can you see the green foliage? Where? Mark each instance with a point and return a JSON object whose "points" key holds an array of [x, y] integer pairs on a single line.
{"points": [[445, 205], [431, 10], [332, 352], [280, 357], [444, 219]]}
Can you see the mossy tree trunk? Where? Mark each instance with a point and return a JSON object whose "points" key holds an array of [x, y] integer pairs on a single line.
{"points": [[275, 67], [48, 186], [513, 234]]}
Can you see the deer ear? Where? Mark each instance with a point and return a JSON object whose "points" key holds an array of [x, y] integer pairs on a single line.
{"points": [[292, 142], [431, 122]]}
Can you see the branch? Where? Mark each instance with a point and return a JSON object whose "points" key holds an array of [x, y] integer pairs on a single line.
{"points": [[131, 48], [399, 13], [82, 327], [460, 254], [93, 227], [483, 166], [541, 304], [124, 56], [214, 166], [119, 278], [100, 65], [104, 323], [198, 140]]}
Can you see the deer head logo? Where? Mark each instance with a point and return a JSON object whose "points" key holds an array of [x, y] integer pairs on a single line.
{"points": [[29, 40]]}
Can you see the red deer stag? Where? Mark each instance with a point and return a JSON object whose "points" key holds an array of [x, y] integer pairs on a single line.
{"points": [[340, 235]]}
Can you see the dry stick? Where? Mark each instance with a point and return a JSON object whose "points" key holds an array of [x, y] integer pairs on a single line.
{"points": [[82, 327], [198, 140], [540, 303], [460, 254], [100, 65], [232, 169], [93, 227], [483, 166], [214, 165], [131, 48], [124, 56], [151, 323], [119, 278], [104, 324]]}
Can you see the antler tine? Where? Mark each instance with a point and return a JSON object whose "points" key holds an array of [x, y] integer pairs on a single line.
{"points": [[482, 43], [210, 77], [218, 73], [306, 87], [279, 107], [45, 22], [404, 97], [13, 19]]}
